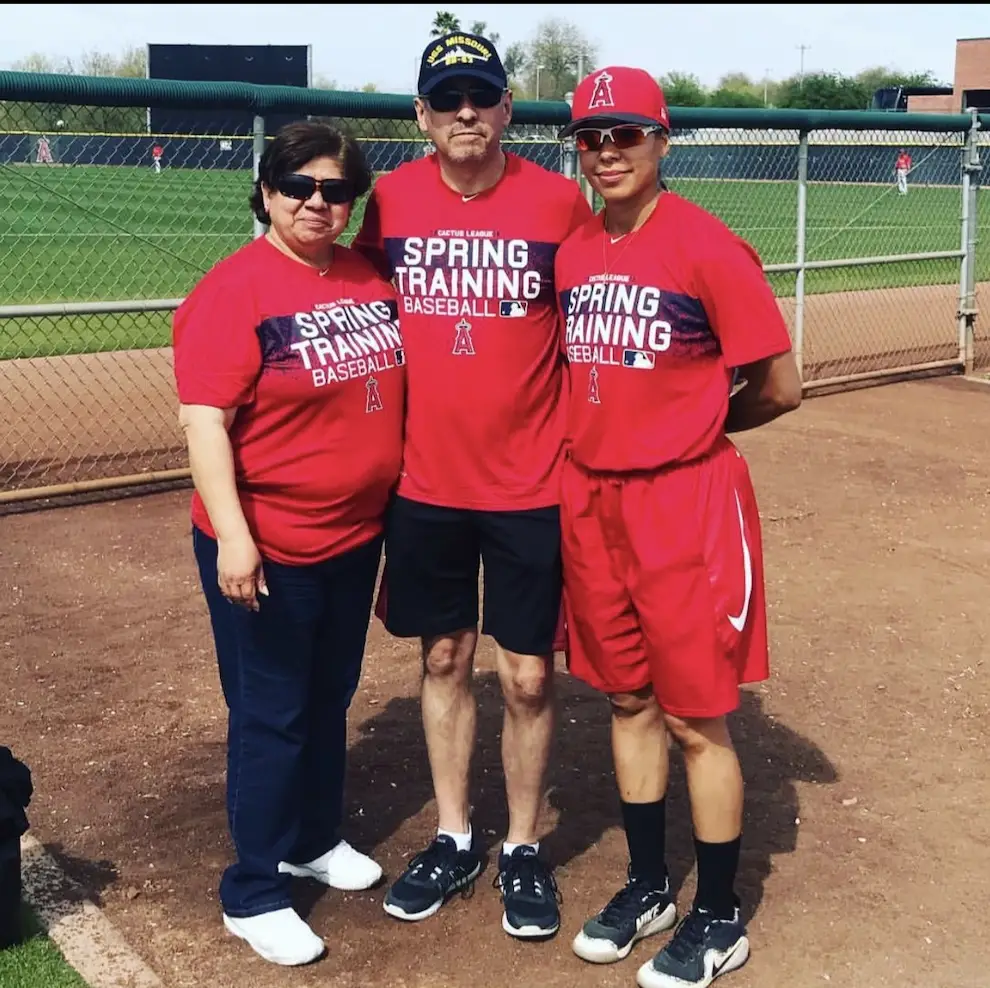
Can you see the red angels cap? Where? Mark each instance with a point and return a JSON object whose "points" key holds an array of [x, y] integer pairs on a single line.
{"points": [[618, 94]]}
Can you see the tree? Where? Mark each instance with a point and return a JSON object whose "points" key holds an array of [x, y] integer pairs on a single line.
{"points": [[444, 23], [481, 27], [681, 89], [822, 91], [556, 48], [36, 62], [369, 87], [130, 64], [321, 81]]}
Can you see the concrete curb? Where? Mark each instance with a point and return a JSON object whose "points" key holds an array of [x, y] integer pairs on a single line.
{"points": [[89, 942]]}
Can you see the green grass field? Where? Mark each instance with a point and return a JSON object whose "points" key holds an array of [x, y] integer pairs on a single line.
{"points": [[90, 233], [36, 963]]}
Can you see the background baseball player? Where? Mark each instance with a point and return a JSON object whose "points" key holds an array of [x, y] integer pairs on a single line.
{"points": [[663, 569], [468, 235], [902, 166]]}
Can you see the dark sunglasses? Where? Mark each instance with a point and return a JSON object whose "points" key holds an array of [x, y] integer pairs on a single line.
{"points": [[333, 190], [623, 137], [449, 100]]}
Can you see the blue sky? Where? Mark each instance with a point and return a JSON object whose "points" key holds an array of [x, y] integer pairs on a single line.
{"points": [[354, 44]]}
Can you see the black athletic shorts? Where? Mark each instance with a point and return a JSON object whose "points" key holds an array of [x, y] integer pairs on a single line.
{"points": [[433, 556]]}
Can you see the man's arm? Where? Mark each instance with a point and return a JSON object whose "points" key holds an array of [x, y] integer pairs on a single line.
{"points": [[772, 388]]}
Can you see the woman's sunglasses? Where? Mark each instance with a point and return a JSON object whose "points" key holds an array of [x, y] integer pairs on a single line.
{"points": [[449, 100], [333, 190], [623, 136]]}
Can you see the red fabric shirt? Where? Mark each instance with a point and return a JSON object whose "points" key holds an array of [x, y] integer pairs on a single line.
{"points": [[904, 162], [314, 365], [654, 323], [474, 276]]}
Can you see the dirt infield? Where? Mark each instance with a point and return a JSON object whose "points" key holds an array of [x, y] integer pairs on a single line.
{"points": [[865, 755], [80, 418]]}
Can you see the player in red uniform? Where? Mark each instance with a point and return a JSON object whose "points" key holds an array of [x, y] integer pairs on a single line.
{"points": [[901, 167], [468, 234], [663, 573], [289, 370]]}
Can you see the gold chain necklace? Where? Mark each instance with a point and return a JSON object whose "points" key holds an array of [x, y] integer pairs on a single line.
{"points": [[606, 236]]}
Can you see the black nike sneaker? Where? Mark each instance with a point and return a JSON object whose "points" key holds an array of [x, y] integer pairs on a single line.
{"points": [[529, 894], [636, 911], [430, 879], [701, 949]]}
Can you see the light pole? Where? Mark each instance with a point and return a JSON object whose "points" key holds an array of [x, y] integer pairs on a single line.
{"points": [[538, 68]]}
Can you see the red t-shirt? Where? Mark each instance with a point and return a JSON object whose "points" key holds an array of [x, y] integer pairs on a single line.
{"points": [[314, 365], [474, 276], [654, 324], [904, 162]]}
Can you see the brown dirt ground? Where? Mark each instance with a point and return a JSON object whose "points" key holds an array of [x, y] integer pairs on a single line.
{"points": [[79, 418], [865, 754]]}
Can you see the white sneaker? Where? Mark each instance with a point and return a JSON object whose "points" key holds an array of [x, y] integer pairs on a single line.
{"points": [[341, 868], [281, 936]]}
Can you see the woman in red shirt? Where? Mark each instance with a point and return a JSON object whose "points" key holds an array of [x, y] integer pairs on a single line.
{"points": [[661, 543], [289, 370]]}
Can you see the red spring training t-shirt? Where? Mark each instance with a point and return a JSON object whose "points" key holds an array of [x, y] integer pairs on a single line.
{"points": [[654, 324], [474, 277], [314, 365]]}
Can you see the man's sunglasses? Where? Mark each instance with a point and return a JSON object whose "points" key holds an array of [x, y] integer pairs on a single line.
{"points": [[449, 100], [623, 136], [333, 190]]}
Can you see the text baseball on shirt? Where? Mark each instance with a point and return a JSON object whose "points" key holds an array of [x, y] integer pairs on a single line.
{"points": [[612, 322], [336, 341]]}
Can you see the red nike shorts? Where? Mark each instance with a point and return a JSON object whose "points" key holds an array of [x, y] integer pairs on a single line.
{"points": [[663, 582]]}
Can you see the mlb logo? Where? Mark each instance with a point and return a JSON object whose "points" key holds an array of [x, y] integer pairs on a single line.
{"points": [[400, 357], [512, 309], [639, 359]]}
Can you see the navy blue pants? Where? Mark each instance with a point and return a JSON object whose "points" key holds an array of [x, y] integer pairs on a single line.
{"points": [[288, 672]]}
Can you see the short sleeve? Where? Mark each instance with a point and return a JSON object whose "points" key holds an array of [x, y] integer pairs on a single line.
{"points": [[581, 211], [216, 353], [739, 302], [369, 242]]}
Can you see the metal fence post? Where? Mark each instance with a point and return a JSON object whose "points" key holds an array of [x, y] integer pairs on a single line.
{"points": [[257, 151], [967, 268], [799, 260]]}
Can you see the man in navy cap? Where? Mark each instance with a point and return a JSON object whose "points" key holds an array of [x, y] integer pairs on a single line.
{"points": [[468, 235]]}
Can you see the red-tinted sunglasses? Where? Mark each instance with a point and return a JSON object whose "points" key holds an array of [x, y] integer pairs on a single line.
{"points": [[623, 136]]}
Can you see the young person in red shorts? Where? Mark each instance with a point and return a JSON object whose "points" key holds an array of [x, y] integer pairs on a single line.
{"points": [[289, 370], [468, 234], [661, 543]]}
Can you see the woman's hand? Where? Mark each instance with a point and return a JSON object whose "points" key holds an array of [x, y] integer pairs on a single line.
{"points": [[239, 571]]}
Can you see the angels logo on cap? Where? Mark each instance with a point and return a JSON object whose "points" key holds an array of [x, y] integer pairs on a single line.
{"points": [[602, 93], [618, 94]]}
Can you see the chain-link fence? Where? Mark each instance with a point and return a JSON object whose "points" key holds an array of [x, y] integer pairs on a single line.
{"points": [[109, 224]]}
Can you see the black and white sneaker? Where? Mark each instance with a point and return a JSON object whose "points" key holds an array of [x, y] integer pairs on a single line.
{"points": [[529, 894], [701, 949], [636, 911], [430, 879]]}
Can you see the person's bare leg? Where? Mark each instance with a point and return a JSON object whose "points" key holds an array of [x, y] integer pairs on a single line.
{"points": [[449, 721], [639, 747], [527, 686], [714, 778]]}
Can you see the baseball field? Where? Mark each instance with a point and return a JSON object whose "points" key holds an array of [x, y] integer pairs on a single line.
{"points": [[101, 233]]}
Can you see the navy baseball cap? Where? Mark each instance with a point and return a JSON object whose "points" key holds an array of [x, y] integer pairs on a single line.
{"points": [[458, 55]]}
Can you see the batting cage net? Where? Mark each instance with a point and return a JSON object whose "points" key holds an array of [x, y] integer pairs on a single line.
{"points": [[878, 267]]}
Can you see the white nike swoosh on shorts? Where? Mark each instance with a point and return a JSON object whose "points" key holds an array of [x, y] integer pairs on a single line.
{"points": [[738, 621]]}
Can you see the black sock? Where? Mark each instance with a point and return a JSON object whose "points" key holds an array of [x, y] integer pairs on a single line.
{"points": [[646, 835], [717, 865]]}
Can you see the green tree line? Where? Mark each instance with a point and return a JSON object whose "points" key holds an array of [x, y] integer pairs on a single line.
{"points": [[546, 66]]}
